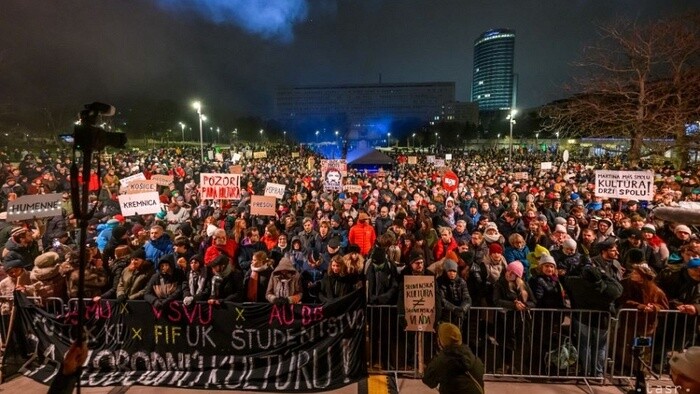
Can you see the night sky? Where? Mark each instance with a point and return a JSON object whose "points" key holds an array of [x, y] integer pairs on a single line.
{"points": [[236, 52]]}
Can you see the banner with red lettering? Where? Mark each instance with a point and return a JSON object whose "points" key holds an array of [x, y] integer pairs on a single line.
{"points": [[220, 186], [251, 346]]}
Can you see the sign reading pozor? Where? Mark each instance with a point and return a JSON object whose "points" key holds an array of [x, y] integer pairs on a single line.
{"points": [[635, 185], [220, 186]]}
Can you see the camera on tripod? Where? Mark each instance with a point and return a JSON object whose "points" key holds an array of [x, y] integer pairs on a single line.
{"points": [[88, 133]]}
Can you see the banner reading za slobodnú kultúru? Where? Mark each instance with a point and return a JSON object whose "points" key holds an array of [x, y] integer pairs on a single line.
{"points": [[257, 347]]}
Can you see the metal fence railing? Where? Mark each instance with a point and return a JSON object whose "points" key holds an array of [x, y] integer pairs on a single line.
{"points": [[538, 343], [645, 339]]}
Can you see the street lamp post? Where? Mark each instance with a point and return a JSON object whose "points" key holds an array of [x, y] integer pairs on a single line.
{"points": [[388, 139], [218, 130], [436, 140], [182, 125], [316, 136], [198, 106], [414, 140], [511, 119], [284, 136]]}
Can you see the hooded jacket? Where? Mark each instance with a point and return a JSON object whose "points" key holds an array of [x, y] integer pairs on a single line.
{"points": [[132, 284], [456, 370], [197, 284], [280, 286], [165, 287]]}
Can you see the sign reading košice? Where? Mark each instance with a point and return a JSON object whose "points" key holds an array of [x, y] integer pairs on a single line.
{"points": [[419, 302], [251, 346], [139, 204], [141, 186], [634, 185], [125, 181], [220, 186], [34, 206]]}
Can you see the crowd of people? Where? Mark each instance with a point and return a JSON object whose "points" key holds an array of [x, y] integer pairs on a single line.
{"points": [[543, 240]]}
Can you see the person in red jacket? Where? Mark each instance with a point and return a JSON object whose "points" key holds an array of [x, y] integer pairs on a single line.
{"points": [[362, 234], [221, 244], [444, 244]]}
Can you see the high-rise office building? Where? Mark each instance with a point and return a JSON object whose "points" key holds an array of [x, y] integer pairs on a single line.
{"points": [[493, 83]]}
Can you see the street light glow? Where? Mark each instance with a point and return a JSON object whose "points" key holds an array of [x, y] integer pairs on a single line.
{"points": [[197, 105]]}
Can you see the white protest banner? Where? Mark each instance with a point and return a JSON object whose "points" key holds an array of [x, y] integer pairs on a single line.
{"points": [[520, 175], [275, 190], [413, 160], [565, 156], [210, 154], [295, 155], [141, 203], [262, 205], [259, 155], [34, 206], [162, 180], [125, 181], [689, 205], [219, 157], [439, 163], [546, 165], [419, 302], [430, 159], [448, 156], [636, 185], [353, 188], [220, 186], [141, 186], [236, 157]]}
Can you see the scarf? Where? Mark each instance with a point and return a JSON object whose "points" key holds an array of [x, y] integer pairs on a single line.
{"points": [[195, 282]]}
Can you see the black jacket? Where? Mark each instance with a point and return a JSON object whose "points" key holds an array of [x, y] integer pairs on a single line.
{"points": [[547, 291], [593, 290], [456, 370], [335, 286]]}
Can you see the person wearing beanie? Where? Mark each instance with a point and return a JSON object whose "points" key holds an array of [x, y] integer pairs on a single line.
{"points": [[116, 266], [226, 280], [682, 286], [495, 264], [46, 278], [549, 294], [197, 285], [491, 234], [640, 293], [657, 245], [635, 250], [453, 294], [679, 238], [22, 243], [165, 285], [134, 277], [684, 370], [455, 369], [18, 278], [513, 294]]}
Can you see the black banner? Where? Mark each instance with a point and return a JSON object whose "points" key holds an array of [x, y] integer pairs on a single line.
{"points": [[258, 347]]}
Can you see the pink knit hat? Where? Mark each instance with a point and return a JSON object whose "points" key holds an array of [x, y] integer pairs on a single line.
{"points": [[516, 267]]}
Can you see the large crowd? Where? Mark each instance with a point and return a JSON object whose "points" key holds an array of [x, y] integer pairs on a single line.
{"points": [[543, 240]]}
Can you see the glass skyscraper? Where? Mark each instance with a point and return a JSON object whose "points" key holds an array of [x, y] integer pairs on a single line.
{"points": [[493, 85]]}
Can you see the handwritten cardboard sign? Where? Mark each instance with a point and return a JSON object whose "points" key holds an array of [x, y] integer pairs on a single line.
{"points": [[275, 190], [141, 186], [263, 205], [220, 186], [162, 180], [419, 302]]}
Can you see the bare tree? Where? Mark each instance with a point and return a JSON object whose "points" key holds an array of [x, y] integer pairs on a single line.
{"points": [[640, 82]]}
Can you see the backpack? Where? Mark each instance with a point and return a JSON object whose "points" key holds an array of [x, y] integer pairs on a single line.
{"points": [[563, 357]]}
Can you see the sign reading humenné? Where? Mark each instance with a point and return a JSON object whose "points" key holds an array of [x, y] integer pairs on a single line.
{"points": [[220, 186], [34, 206], [251, 346]]}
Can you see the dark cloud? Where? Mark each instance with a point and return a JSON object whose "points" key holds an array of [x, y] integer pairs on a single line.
{"points": [[118, 51]]}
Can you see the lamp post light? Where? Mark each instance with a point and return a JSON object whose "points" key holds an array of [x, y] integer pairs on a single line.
{"points": [[436, 140], [235, 135], [317, 136], [198, 106], [261, 134], [414, 140], [511, 119], [388, 139], [218, 130], [284, 136], [557, 134], [182, 125]]}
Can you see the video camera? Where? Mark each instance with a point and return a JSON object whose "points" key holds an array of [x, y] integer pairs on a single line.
{"points": [[89, 135]]}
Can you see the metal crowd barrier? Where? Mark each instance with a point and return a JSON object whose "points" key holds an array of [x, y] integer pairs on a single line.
{"points": [[538, 343], [644, 340]]}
